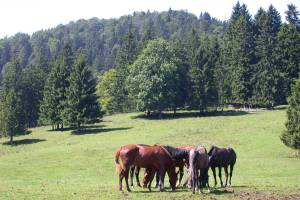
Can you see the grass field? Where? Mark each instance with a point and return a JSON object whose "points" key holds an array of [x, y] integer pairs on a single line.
{"points": [[63, 165]]}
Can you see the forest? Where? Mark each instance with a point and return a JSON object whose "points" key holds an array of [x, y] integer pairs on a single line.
{"points": [[153, 62]]}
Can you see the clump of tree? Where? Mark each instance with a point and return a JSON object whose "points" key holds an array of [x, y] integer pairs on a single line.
{"points": [[291, 137], [154, 78], [69, 94]]}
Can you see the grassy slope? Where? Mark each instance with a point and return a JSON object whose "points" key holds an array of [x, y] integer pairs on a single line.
{"points": [[61, 165]]}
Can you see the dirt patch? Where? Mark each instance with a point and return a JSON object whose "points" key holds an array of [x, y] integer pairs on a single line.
{"points": [[266, 196]]}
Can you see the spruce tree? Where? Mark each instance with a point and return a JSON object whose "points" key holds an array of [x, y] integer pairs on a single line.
{"points": [[287, 53], [65, 63], [82, 106], [13, 109], [126, 56], [50, 105], [33, 82], [291, 137], [239, 54], [266, 74]]}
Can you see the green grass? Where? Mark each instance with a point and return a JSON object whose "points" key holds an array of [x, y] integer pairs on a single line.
{"points": [[61, 165]]}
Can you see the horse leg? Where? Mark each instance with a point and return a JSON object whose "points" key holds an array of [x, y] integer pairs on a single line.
{"points": [[157, 179], [132, 169], [230, 175], [180, 175], [193, 181], [220, 176], [126, 179], [200, 181], [121, 176], [214, 173], [137, 172], [152, 173], [226, 174], [162, 174]]}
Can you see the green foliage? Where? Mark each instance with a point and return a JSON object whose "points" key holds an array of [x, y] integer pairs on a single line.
{"points": [[266, 73], [291, 137], [238, 52], [126, 56], [33, 81], [82, 106], [12, 112], [288, 50], [154, 76], [203, 92], [50, 112], [106, 91]]}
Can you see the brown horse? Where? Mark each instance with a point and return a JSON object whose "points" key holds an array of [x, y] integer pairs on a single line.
{"points": [[180, 156], [199, 161], [153, 158], [222, 157]]}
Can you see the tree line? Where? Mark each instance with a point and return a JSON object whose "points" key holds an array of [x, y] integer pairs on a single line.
{"points": [[252, 64]]}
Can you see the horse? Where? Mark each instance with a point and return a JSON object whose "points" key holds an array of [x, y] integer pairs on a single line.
{"points": [[136, 170], [153, 158], [222, 157], [199, 161], [180, 157]]}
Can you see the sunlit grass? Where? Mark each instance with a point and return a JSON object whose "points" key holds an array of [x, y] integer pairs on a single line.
{"points": [[64, 165]]}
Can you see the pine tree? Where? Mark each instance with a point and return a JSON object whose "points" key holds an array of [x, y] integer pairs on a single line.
{"points": [[82, 106], [239, 54], [13, 110], [126, 56], [33, 82], [65, 63], [291, 137], [287, 54], [50, 105], [292, 15], [202, 76], [266, 74]]}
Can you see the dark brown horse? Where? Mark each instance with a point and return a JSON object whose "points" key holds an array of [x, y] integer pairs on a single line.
{"points": [[153, 158], [222, 157], [199, 162]]}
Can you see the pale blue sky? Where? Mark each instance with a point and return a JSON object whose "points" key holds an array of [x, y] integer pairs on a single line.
{"points": [[29, 16]]}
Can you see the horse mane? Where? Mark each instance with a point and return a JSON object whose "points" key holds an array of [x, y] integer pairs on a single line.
{"points": [[212, 148], [176, 153]]}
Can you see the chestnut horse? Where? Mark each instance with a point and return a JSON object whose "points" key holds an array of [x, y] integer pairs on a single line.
{"points": [[153, 158], [222, 157], [180, 156], [199, 161]]}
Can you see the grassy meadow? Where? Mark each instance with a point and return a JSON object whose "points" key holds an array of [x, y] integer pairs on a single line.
{"points": [[64, 165]]}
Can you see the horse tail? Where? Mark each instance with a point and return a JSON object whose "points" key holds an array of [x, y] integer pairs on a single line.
{"points": [[117, 163], [233, 160]]}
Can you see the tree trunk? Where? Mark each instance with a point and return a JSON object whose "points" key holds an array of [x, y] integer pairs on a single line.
{"points": [[78, 126], [11, 139], [62, 127], [148, 113]]}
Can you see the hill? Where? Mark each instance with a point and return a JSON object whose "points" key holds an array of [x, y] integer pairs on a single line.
{"points": [[101, 38], [65, 165]]}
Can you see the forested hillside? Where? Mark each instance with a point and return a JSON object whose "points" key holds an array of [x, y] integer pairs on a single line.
{"points": [[101, 38], [150, 62]]}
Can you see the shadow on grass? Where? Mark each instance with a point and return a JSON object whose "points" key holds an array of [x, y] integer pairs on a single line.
{"points": [[168, 116], [24, 141], [98, 130], [74, 128]]}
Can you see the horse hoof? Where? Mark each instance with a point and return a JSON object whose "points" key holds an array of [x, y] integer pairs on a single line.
{"points": [[208, 190]]}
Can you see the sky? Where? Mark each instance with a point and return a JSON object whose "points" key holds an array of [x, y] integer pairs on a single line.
{"points": [[28, 16]]}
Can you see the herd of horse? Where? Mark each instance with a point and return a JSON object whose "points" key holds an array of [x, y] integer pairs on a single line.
{"points": [[160, 160]]}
